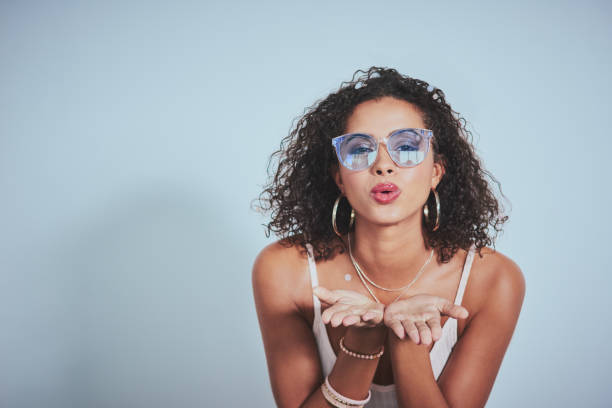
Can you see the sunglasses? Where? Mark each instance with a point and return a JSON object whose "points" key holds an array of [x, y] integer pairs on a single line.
{"points": [[407, 148]]}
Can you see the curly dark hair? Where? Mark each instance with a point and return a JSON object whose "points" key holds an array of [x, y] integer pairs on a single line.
{"points": [[302, 192]]}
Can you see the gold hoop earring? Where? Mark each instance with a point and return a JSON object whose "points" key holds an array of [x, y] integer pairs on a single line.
{"points": [[335, 211], [426, 211]]}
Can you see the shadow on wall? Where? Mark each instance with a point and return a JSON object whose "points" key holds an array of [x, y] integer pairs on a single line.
{"points": [[153, 273]]}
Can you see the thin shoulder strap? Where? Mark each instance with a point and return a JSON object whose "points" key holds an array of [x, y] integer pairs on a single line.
{"points": [[465, 275], [314, 280]]}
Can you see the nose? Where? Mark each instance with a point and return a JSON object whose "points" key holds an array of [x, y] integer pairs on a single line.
{"points": [[384, 164]]}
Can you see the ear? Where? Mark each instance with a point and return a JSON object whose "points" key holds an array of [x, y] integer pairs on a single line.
{"points": [[438, 173], [335, 172]]}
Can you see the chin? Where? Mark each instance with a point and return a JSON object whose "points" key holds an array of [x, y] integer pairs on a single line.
{"points": [[391, 215], [386, 219]]}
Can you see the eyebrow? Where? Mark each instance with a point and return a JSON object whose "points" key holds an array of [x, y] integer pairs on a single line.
{"points": [[388, 134]]}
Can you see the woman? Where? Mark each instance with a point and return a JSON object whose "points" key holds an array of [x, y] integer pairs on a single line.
{"points": [[374, 295]]}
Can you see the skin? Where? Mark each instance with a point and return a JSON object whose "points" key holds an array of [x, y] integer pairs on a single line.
{"points": [[389, 245], [384, 247]]}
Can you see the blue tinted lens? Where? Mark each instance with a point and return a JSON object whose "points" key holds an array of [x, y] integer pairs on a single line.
{"points": [[357, 151], [408, 147]]}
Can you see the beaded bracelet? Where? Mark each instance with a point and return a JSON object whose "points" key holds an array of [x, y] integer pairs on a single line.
{"points": [[340, 401], [358, 355]]}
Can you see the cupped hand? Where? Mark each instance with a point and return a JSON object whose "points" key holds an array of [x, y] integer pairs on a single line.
{"points": [[419, 317], [349, 308]]}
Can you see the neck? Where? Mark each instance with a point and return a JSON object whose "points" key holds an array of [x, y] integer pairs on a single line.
{"points": [[390, 255]]}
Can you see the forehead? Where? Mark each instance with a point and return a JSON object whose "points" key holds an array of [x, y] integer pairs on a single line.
{"points": [[380, 117]]}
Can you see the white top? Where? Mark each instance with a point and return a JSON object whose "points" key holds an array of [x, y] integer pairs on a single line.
{"points": [[384, 396]]}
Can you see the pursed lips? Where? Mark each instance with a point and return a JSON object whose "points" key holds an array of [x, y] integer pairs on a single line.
{"points": [[384, 188], [385, 193]]}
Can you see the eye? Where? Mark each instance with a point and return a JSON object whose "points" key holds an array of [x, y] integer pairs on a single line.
{"points": [[360, 150], [407, 148], [405, 141]]}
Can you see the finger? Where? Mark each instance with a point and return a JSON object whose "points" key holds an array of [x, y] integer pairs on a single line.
{"points": [[435, 328], [330, 311], [450, 309], [394, 316], [412, 330], [424, 332], [366, 317], [389, 320], [351, 320], [374, 310], [338, 317], [397, 328], [325, 295], [376, 321], [372, 315]]}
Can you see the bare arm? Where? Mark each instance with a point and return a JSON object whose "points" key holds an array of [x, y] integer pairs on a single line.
{"points": [[291, 352], [470, 372]]}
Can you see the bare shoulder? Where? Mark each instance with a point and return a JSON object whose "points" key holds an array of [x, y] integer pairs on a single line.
{"points": [[278, 253], [279, 271], [497, 286], [499, 279], [289, 343], [501, 270]]}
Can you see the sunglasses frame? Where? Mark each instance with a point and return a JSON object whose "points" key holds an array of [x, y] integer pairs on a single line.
{"points": [[337, 141]]}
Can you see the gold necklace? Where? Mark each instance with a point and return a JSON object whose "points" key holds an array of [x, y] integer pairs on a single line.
{"points": [[364, 277]]}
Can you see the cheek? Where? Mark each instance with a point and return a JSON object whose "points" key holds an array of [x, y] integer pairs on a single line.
{"points": [[352, 182], [425, 170], [419, 177], [355, 187]]}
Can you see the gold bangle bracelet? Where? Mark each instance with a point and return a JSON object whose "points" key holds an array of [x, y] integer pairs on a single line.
{"points": [[359, 355]]}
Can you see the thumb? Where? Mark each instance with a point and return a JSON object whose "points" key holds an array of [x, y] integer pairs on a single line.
{"points": [[453, 310], [325, 295]]}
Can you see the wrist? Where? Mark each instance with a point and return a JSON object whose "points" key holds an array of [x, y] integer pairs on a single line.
{"points": [[365, 340]]}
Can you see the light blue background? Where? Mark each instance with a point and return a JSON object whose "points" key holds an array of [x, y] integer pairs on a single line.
{"points": [[133, 136]]}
